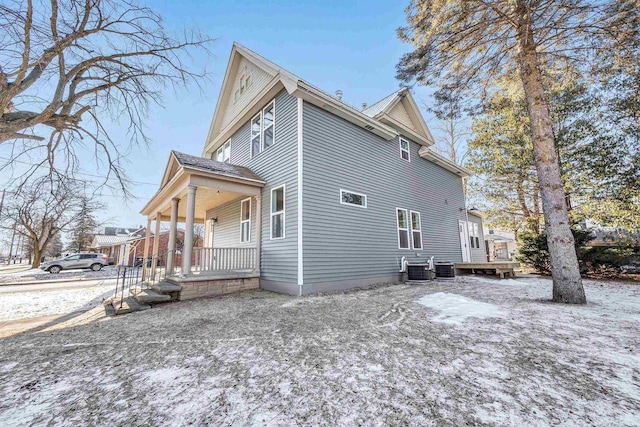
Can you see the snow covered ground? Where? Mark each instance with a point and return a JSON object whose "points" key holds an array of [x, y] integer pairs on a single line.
{"points": [[371, 357], [29, 304], [35, 274]]}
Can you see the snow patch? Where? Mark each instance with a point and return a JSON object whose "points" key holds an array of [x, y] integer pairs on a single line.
{"points": [[455, 309]]}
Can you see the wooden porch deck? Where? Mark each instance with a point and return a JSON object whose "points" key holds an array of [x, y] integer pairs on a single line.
{"points": [[498, 268]]}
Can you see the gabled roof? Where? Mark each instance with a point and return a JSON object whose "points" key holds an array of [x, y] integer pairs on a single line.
{"points": [[273, 79], [220, 168], [381, 105], [101, 241], [400, 111]]}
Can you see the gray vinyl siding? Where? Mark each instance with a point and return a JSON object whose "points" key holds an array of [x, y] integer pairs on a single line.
{"points": [[478, 254], [346, 244], [277, 165], [226, 232]]}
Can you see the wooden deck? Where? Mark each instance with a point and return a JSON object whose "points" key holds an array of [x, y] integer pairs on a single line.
{"points": [[498, 268]]}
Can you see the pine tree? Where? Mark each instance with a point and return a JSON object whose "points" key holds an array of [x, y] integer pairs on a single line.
{"points": [[85, 226]]}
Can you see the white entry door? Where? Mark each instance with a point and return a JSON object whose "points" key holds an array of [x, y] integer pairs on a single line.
{"points": [[464, 241]]}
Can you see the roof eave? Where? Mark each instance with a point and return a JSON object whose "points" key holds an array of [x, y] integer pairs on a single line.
{"points": [[340, 109], [441, 161]]}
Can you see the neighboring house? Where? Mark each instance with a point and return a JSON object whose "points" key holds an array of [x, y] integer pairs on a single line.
{"points": [[124, 250], [115, 242], [609, 236], [501, 245], [299, 192]]}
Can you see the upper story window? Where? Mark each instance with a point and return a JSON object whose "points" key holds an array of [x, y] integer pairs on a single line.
{"points": [[245, 220], [404, 150], [351, 198], [262, 129], [277, 213], [224, 153]]}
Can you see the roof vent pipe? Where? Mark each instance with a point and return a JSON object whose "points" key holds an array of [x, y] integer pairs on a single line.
{"points": [[364, 105], [339, 95]]}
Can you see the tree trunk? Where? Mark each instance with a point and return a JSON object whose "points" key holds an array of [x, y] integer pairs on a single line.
{"points": [[37, 253], [567, 283]]}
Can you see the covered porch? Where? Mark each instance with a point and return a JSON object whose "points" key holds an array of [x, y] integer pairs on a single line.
{"points": [[191, 187]]}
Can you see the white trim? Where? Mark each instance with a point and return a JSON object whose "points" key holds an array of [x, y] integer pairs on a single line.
{"points": [[273, 125], [283, 212], [398, 229], [260, 115], [300, 193], [222, 148], [252, 137], [353, 204], [402, 150], [413, 231], [242, 221]]}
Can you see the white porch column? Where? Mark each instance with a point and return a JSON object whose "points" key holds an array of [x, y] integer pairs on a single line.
{"points": [[258, 231], [147, 243], [173, 229], [188, 232], [156, 245]]}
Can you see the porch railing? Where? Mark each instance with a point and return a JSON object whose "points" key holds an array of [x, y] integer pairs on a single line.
{"points": [[215, 259]]}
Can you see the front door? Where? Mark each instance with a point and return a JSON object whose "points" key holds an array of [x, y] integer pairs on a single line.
{"points": [[464, 241]]}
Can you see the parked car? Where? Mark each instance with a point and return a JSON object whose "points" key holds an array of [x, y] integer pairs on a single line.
{"points": [[632, 268], [74, 261]]}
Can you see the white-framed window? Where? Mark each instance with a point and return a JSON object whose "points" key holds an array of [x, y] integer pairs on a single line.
{"points": [[404, 150], [474, 235], [263, 129], [224, 152], [416, 230], [277, 212], [354, 199], [245, 220], [402, 216]]}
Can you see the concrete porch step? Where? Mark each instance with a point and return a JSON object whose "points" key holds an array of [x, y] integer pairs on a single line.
{"points": [[129, 305], [165, 287], [148, 296]]}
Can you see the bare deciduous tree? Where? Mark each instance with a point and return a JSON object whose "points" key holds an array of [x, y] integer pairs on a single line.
{"points": [[68, 66], [470, 44], [42, 210]]}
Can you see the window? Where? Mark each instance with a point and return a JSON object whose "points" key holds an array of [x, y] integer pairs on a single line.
{"points": [[72, 257], [263, 129], [403, 228], [404, 150], [351, 198], [88, 256], [474, 235], [277, 213], [416, 230], [245, 220], [224, 153]]}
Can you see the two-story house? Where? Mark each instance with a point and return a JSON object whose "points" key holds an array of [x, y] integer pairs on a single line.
{"points": [[299, 192]]}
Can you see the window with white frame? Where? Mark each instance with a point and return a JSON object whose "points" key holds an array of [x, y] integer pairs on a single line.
{"points": [[245, 220], [224, 153], [354, 199], [404, 150], [416, 230], [277, 213], [263, 129], [403, 228], [474, 235]]}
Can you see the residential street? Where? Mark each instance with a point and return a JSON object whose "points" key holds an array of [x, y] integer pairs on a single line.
{"points": [[473, 351]]}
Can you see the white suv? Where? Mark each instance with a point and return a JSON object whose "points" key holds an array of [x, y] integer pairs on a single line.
{"points": [[84, 260]]}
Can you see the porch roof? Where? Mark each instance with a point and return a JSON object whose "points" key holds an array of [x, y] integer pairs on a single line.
{"points": [[217, 182]]}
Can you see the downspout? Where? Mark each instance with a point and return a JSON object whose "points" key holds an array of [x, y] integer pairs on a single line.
{"points": [[300, 230]]}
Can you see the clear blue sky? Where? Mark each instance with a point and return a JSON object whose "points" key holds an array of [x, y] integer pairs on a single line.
{"points": [[347, 45]]}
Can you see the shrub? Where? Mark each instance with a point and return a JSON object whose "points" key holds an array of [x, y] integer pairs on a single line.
{"points": [[534, 251], [595, 261]]}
